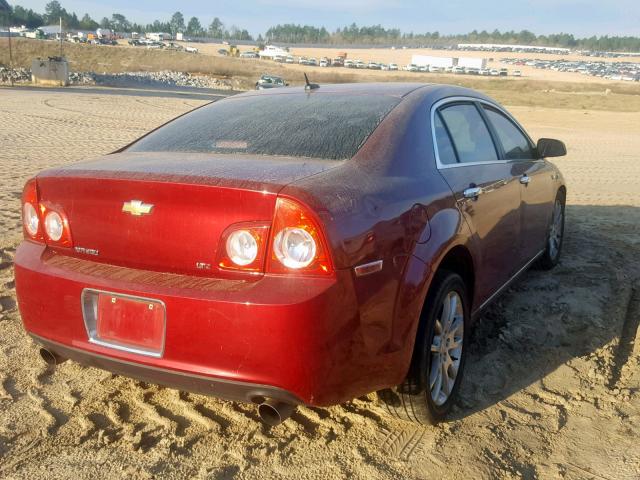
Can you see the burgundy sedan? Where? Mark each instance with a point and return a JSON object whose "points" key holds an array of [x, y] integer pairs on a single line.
{"points": [[293, 246]]}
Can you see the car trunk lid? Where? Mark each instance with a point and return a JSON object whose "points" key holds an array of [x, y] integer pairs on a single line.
{"points": [[166, 212]]}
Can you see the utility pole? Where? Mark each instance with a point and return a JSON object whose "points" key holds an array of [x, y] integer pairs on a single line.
{"points": [[60, 37], [10, 58]]}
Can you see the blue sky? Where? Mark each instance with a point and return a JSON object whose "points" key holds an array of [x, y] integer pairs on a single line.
{"points": [[579, 17]]}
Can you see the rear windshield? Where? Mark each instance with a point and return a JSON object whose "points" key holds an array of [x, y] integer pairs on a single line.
{"points": [[331, 127]]}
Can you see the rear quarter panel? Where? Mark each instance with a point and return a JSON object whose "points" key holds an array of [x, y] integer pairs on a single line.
{"points": [[389, 203]]}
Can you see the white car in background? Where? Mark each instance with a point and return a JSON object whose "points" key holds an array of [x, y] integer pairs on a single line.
{"points": [[190, 49], [393, 66], [517, 73]]}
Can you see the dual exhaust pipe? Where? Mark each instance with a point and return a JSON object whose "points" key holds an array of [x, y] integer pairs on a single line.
{"points": [[272, 412]]}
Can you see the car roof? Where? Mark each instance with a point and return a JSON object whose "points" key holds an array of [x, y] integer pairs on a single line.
{"points": [[388, 89], [434, 91]]}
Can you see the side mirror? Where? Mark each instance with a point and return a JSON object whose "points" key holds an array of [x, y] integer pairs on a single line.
{"points": [[550, 147]]}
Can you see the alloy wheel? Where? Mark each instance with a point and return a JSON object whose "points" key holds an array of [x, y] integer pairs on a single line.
{"points": [[446, 348], [555, 231]]}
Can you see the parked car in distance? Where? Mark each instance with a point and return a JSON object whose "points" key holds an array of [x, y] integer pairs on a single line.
{"points": [[517, 73], [249, 55], [324, 63], [190, 49], [349, 64], [411, 67], [240, 251], [393, 66], [223, 51], [270, 81]]}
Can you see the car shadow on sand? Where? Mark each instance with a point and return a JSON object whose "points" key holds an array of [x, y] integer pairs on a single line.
{"points": [[547, 319]]}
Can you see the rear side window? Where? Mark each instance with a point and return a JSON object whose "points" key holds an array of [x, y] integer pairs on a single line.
{"points": [[516, 146], [323, 126], [446, 152], [469, 133]]}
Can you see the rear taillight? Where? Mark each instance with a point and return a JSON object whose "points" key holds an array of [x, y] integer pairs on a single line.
{"points": [[31, 218], [57, 232], [297, 244], [243, 247], [293, 244], [41, 221]]}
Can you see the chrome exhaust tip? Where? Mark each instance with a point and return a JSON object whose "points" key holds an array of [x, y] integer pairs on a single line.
{"points": [[51, 358], [274, 412]]}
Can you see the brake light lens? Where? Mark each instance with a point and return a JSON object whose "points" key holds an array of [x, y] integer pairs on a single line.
{"points": [[31, 219], [297, 245], [30, 212], [244, 247], [57, 232], [54, 226]]}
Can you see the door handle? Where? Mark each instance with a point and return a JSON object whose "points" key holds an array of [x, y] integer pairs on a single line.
{"points": [[525, 179], [472, 192]]}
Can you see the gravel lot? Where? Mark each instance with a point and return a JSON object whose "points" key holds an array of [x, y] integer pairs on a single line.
{"points": [[552, 388]]}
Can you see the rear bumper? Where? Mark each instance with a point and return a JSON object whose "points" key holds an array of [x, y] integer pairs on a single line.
{"points": [[217, 387], [298, 339]]}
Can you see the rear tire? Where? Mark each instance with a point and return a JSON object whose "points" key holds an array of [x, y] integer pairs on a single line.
{"points": [[426, 396], [555, 236]]}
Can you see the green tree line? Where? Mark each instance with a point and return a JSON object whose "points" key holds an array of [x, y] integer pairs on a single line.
{"points": [[378, 35]]}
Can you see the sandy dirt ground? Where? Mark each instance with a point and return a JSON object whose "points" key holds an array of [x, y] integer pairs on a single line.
{"points": [[552, 388]]}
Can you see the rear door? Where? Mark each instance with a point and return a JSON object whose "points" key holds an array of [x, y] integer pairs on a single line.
{"points": [[534, 176], [484, 186]]}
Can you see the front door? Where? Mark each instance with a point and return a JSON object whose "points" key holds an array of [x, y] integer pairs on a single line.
{"points": [[534, 176]]}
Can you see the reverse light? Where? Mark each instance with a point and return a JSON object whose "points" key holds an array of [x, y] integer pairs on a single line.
{"points": [[244, 247], [297, 245], [54, 226]]}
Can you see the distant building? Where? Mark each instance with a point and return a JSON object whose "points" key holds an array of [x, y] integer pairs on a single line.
{"points": [[50, 31], [159, 36]]}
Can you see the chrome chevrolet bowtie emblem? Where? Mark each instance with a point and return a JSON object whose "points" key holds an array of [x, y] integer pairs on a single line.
{"points": [[137, 208]]}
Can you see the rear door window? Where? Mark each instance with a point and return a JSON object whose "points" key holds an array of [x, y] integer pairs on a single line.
{"points": [[515, 144], [446, 152], [469, 133]]}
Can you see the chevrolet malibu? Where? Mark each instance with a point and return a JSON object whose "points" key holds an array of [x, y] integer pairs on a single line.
{"points": [[293, 247]]}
